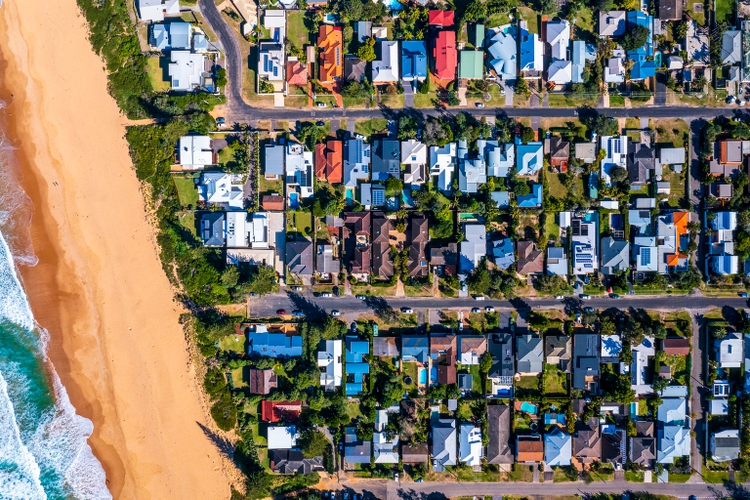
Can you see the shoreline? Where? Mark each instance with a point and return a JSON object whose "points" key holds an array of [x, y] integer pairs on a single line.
{"points": [[99, 289]]}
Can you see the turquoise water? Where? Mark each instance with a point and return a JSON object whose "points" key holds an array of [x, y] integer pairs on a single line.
{"points": [[528, 407], [44, 452], [393, 4], [657, 59], [422, 376]]}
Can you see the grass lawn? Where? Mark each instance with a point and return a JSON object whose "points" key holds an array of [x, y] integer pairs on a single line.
{"points": [[353, 410], [356, 102], [527, 387], [556, 188], [370, 126], [521, 473], [187, 220], [633, 477], [560, 476], [713, 476], [300, 221], [616, 101], [410, 370], [672, 131], [555, 381], [158, 74], [679, 478], [677, 186], [496, 20], [238, 380], [267, 186], [724, 10], [585, 25], [295, 101], [296, 31], [425, 100], [392, 101], [571, 101], [418, 290], [699, 17], [186, 189], [551, 227], [632, 123], [258, 438], [531, 17], [521, 101], [234, 343], [604, 474], [476, 379]]}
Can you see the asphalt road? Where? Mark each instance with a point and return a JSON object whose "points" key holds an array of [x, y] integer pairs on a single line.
{"points": [[350, 308]]}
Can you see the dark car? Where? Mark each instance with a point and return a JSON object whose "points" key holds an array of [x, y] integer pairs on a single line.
{"points": [[320, 124], [744, 295], [281, 312], [614, 296], [297, 314]]}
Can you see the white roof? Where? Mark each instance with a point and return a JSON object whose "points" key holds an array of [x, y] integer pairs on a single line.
{"points": [[385, 69], [673, 442], [443, 164], [503, 53], [560, 72], [186, 70], [271, 60], [385, 451], [219, 189], [474, 246], [610, 204], [558, 448], [614, 70], [616, 155], [155, 10], [611, 346], [558, 37], [413, 152], [730, 351], [195, 151], [672, 156], [330, 360], [282, 438], [470, 445], [585, 258]]}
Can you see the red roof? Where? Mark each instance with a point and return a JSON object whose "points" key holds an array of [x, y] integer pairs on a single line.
{"points": [[444, 18], [296, 73], [329, 161], [445, 55], [276, 411], [272, 202]]}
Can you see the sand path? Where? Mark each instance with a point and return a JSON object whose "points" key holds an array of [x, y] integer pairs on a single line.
{"points": [[99, 287]]}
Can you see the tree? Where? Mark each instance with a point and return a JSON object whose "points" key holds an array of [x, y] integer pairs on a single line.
{"points": [[607, 326], [393, 186], [635, 37], [436, 132], [553, 285], [521, 188], [452, 99], [366, 51], [601, 124], [527, 134], [522, 87], [659, 384], [407, 128], [311, 134], [618, 174], [221, 77], [313, 443], [485, 362], [262, 280], [480, 280]]}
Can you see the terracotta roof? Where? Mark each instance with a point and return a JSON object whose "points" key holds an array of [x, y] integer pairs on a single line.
{"points": [[276, 411], [676, 345], [330, 44], [296, 73], [272, 202], [329, 161], [681, 220], [261, 381], [529, 449], [445, 56], [530, 258]]}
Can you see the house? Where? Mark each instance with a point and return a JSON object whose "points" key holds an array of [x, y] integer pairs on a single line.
{"points": [[640, 365], [471, 172], [354, 69], [471, 64], [529, 354], [613, 445], [330, 360], [187, 71], [413, 60], [560, 72], [363, 30], [614, 70], [213, 229], [720, 402], [356, 451], [558, 448], [298, 167], [357, 231], [721, 243], [280, 411], [155, 10], [465, 383], [356, 366], [673, 409], [529, 449], [725, 445], [357, 155], [172, 36], [325, 264], [273, 344], [672, 156], [731, 47], [585, 234], [642, 449], [261, 381], [530, 158], [679, 346], [271, 61], [282, 437], [729, 351], [581, 53], [195, 152], [533, 199], [673, 441], [385, 159], [642, 57], [615, 155], [641, 162], [443, 165], [502, 53], [417, 237], [498, 429], [558, 350], [296, 72], [441, 18], [558, 39], [586, 152], [557, 261], [444, 259], [299, 257], [294, 462], [500, 158], [587, 441], [611, 348], [503, 253], [273, 165], [673, 241], [531, 54], [382, 265], [471, 348], [586, 362], [380, 33], [612, 23], [559, 152], [503, 367], [372, 196], [222, 190], [615, 256], [670, 10], [415, 454], [473, 247], [470, 448], [443, 442], [530, 258], [443, 358], [385, 67], [444, 55], [384, 347], [329, 161], [414, 157], [330, 45], [415, 348], [384, 450]]}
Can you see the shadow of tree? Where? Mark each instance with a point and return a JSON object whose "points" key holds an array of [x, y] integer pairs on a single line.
{"points": [[381, 308], [312, 311], [225, 447], [414, 495]]}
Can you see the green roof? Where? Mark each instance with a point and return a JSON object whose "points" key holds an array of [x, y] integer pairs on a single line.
{"points": [[478, 36], [471, 64]]}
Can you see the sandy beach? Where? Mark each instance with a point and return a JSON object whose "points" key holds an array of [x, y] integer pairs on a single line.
{"points": [[99, 288]]}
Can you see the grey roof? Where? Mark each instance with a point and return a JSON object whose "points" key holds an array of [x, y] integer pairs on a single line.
{"points": [[557, 261], [587, 442], [529, 353], [642, 448], [673, 442], [731, 47], [670, 10], [415, 348], [586, 151], [498, 449], [274, 159], [299, 257], [613, 445], [384, 346], [212, 229], [386, 159], [641, 160], [615, 255], [672, 410], [725, 445], [443, 444], [558, 446], [585, 358], [612, 23], [325, 263], [354, 68], [356, 451], [293, 462], [501, 347], [558, 349], [465, 381]]}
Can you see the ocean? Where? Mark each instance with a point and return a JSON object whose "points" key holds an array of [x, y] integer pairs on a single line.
{"points": [[44, 452]]}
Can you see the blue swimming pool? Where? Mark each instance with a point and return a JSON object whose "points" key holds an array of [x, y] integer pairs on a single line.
{"points": [[422, 376], [293, 201], [528, 408], [657, 59], [393, 4]]}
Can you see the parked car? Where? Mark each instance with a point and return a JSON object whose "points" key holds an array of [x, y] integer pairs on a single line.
{"points": [[361, 297], [297, 314], [479, 104], [406, 310], [744, 295], [335, 313], [475, 310], [614, 296], [320, 123], [479, 297], [560, 297], [221, 122], [326, 295], [489, 309], [360, 137], [281, 312], [588, 309], [296, 288], [585, 297], [320, 104]]}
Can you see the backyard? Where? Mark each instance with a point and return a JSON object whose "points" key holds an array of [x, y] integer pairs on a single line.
{"points": [[157, 72], [186, 190], [371, 126], [296, 31], [555, 382], [671, 131]]}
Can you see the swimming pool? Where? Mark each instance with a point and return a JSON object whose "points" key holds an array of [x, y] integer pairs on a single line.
{"points": [[422, 376], [293, 201], [657, 60], [528, 407], [393, 4]]}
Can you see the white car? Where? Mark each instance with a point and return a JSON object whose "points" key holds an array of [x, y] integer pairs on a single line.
{"points": [[559, 297], [326, 295], [360, 137], [361, 297], [489, 309], [406, 310], [335, 313], [479, 297], [475, 310], [585, 297], [320, 104]]}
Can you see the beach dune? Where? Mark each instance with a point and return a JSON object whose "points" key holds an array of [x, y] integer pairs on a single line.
{"points": [[99, 288]]}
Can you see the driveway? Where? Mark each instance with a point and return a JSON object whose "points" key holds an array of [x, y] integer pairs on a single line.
{"points": [[697, 419], [409, 94]]}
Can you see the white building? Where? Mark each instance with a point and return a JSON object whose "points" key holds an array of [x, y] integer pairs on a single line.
{"points": [[474, 247], [384, 450], [558, 38], [616, 155], [186, 70], [271, 61], [330, 361], [195, 152], [585, 255], [414, 156], [282, 438], [443, 164], [155, 10], [220, 189], [244, 233], [385, 69], [299, 174], [470, 449]]}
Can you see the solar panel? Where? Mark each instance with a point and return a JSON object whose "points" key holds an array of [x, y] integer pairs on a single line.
{"points": [[645, 256]]}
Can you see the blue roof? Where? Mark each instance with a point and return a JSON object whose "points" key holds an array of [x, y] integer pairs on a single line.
{"points": [[159, 36], [355, 349], [530, 158], [357, 368], [414, 348], [274, 344], [501, 198], [413, 59], [642, 67], [533, 200], [529, 44], [179, 35], [353, 389]]}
